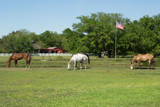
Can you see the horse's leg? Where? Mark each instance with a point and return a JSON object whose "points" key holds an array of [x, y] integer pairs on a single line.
{"points": [[149, 61], [139, 64], [85, 62], [15, 62], [152, 61], [75, 64], [81, 64], [27, 63]]}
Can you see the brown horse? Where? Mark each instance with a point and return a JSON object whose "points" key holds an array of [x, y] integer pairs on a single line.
{"points": [[19, 56], [142, 58]]}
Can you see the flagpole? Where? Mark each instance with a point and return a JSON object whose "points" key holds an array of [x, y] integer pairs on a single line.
{"points": [[116, 45], [118, 26]]}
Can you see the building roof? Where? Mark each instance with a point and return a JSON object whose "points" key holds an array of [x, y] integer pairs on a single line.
{"points": [[51, 47]]}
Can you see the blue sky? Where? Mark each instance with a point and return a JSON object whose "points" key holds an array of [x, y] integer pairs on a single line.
{"points": [[56, 15]]}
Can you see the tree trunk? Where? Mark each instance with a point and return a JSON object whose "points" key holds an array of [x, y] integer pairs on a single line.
{"points": [[109, 53], [99, 55]]}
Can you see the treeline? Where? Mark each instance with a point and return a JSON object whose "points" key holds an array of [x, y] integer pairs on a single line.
{"points": [[94, 34]]}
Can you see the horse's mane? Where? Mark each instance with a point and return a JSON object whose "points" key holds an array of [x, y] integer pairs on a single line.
{"points": [[86, 54]]}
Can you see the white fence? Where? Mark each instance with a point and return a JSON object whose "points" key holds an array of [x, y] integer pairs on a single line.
{"points": [[41, 54], [52, 54], [5, 54]]}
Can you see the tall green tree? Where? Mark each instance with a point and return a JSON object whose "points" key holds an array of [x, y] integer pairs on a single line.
{"points": [[17, 42], [99, 30], [157, 32], [142, 36], [74, 42], [50, 39]]}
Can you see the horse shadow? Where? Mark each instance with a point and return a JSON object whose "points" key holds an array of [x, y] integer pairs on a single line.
{"points": [[143, 68], [79, 69]]}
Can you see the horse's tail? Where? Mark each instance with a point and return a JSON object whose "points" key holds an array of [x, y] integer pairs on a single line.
{"points": [[29, 58], [152, 61], [88, 58]]}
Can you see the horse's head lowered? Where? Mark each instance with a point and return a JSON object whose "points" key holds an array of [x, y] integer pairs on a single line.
{"points": [[132, 62], [69, 65], [131, 66], [8, 64]]}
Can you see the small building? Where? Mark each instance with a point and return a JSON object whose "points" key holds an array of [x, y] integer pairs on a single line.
{"points": [[54, 50], [50, 50]]}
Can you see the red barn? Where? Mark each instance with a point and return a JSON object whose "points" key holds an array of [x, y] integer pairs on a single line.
{"points": [[54, 50]]}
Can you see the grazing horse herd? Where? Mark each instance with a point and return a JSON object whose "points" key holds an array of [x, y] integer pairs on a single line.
{"points": [[81, 57]]}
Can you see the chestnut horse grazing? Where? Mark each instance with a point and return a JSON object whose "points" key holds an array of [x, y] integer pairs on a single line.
{"points": [[142, 58], [19, 56]]}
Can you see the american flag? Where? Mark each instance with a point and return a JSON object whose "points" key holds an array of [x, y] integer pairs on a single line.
{"points": [[119, 25]]}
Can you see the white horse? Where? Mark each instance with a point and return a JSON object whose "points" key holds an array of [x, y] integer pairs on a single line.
{"points": [[79, 58]]}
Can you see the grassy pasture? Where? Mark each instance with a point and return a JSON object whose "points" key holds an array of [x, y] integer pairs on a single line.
{"points": [[106, 82]]}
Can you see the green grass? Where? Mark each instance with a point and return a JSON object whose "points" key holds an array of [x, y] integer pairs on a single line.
{"points": [[105, 83]]}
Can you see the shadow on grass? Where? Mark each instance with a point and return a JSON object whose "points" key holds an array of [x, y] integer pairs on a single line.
{"points": [[78, 69], [145, 68]]}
